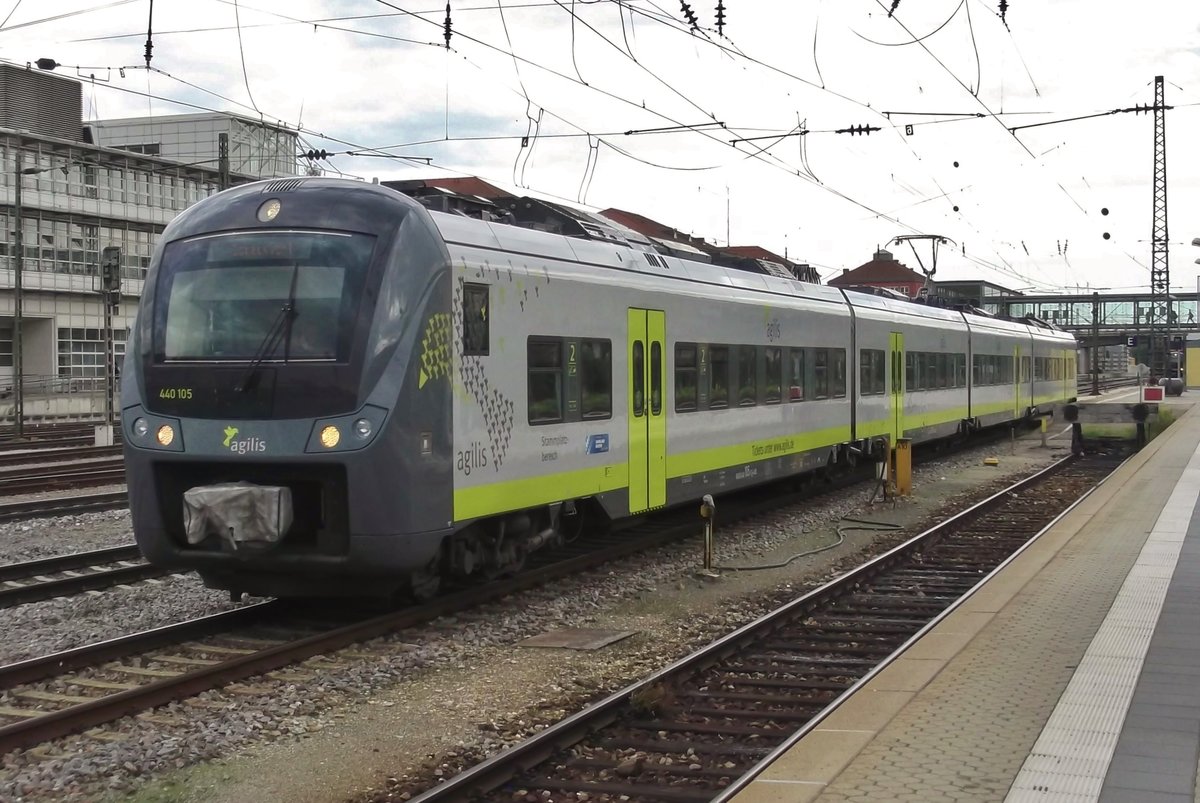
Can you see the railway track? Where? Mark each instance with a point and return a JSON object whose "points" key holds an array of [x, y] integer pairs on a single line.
{"points": [[688, 733], [1084, 384], [39, 436], [77, 689], [63, 505], [67, 692], [58, 455], [46, 578], [33, 479]]}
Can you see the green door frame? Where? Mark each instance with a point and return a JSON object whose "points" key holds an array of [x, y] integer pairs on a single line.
{"points": [[896, 361], [1016, 381], [646, 409]]}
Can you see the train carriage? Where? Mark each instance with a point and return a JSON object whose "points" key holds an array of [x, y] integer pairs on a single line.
{"points": [[331, 390], [923, 395]]}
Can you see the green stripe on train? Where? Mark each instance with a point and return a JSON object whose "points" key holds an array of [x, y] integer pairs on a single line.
{"points": [[500, 497]]}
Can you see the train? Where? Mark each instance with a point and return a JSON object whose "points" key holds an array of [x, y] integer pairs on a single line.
{"points": [[331, 390]]}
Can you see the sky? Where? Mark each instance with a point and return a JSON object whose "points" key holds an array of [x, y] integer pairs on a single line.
{"points": [[728, 133]]}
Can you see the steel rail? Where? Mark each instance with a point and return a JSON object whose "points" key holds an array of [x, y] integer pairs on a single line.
{"points": [[36, 467], [63, 563], [63, 505], [651, 533], [55, 664], [73, 477], [53, 724], [58, 455], [77, 584], [501, 768], [32, 445]]}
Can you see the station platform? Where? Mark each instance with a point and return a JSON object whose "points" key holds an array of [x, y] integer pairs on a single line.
{"points": [[1073, 674]]}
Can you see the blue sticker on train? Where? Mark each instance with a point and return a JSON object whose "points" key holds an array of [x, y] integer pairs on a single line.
{"points": [[597, 444]]}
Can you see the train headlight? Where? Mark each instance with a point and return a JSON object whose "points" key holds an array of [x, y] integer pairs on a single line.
{"points": [[141, 427], [362, 428], [330, 436], [165, 434]]}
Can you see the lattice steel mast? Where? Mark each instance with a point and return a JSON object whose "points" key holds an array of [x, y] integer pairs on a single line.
{"points": [[1160, 274]]}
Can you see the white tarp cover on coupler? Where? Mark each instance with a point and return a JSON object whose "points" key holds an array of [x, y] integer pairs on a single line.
{"points": [[241, 514]]}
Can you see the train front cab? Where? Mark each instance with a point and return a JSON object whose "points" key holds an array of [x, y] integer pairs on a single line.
{"points": [[285, 354]]}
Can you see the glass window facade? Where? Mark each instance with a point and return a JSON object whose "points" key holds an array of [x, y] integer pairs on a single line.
{"points": [[83, 199], [81, 351]]}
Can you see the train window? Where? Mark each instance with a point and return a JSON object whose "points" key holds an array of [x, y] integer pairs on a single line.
{"points": [[545, 381], [596, 369], [747, 376], [718, 395], [639, 378], [475, 320], [1026, 371], [910, 371], [218, 299], [960, 370], [837, 379], [821, 373], [685, 377], [796, 375], [976, 370], [944, 377], [871, 372], [773, 370], [656, 378]]}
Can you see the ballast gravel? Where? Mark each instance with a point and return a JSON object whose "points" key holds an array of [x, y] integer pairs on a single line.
{"points": [[378, 720]]}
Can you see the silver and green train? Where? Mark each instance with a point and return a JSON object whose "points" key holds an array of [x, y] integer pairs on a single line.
{"points": [[331, 390]]}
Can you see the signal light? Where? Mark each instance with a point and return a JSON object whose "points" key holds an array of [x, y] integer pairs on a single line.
{"points": [[110, 268]]}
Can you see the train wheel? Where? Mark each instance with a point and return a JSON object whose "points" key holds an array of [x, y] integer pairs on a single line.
{"points": [[424, 586]]}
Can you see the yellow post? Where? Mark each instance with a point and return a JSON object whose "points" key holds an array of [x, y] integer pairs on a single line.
{"points": [[1045, 426], [904, 466]]}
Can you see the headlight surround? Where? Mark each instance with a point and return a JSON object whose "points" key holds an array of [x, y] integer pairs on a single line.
{"points": [[353, 432], [145, 430]]}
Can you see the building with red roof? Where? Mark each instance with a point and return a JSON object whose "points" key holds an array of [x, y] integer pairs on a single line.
{"points": [[885, 271]]}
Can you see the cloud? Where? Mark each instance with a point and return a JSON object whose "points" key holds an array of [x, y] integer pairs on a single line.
{"points": [[635, 66]]}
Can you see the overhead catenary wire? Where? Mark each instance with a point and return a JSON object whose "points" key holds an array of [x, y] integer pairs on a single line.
{"points": [[242, 53], [994, 116], [11, 11], [807, 170]]}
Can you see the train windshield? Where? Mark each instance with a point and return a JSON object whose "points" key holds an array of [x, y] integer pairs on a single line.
{"points": [[267, 295]]}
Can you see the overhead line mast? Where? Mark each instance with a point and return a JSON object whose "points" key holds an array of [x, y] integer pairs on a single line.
{"points": [[1160, 274]]}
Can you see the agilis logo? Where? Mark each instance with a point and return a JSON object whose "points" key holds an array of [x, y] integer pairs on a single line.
{"points": [[242, 445]]}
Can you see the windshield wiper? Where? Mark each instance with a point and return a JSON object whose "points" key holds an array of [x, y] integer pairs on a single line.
{"points": [[281, 328]]}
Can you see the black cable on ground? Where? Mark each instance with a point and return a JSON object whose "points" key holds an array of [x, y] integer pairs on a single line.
{"points": [[853, 524]]}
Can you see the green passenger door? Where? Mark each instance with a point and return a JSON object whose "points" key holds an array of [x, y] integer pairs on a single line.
{"points": [[896, 362], [1016, 377], [646, 412]]}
